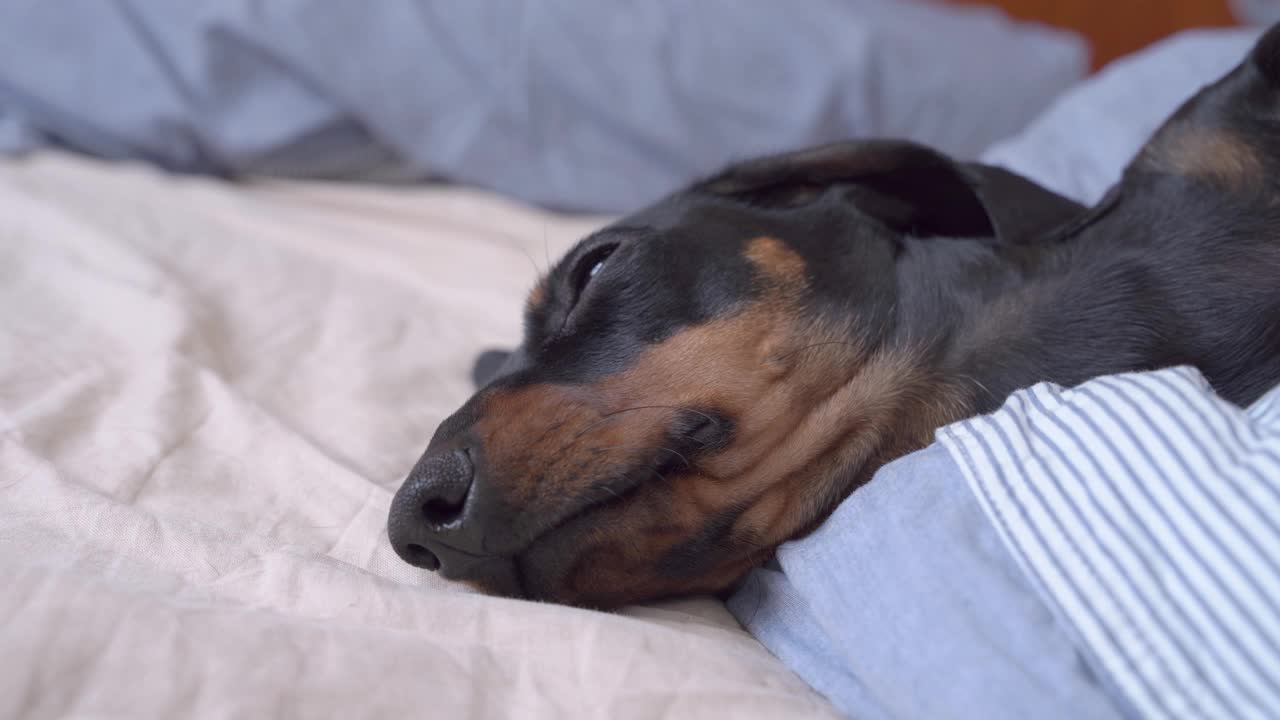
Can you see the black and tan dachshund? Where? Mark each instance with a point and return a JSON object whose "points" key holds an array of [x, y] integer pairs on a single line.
{"points": [[711, 376]]}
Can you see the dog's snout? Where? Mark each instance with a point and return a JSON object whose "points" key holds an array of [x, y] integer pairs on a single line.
{"points": [[429, 524]]}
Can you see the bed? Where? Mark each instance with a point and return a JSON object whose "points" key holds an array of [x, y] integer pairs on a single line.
{"points": [[209, 392]]}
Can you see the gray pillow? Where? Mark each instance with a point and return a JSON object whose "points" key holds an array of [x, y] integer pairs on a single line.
{"points": [[582, 105]]}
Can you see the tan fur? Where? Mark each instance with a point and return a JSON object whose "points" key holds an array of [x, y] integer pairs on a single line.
{"points": [[1213, 154], [773, 259], [537, 296]]}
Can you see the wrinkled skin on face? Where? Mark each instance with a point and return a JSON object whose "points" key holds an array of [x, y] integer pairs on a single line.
{"points": [[706, 379]]}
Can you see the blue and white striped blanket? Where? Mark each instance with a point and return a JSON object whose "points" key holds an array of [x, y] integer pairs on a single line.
{"points": [[1147, 510], [1111, 550]]}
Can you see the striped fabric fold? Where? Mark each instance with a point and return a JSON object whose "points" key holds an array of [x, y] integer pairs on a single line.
{"points": [[1146, 510]]}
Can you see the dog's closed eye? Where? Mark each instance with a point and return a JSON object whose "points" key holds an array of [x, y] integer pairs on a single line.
{"points": [[589, 266], [576, 282]]}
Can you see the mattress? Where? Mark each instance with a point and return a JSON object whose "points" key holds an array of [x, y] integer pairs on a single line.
{"points": [[208, 394]]}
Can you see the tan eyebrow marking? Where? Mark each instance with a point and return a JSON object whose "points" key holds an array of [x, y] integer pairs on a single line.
{"points": [[1210, 153], [774, 260]]}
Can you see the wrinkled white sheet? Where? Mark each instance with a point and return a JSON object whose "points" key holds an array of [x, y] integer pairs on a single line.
{"points": [[207, 396]]}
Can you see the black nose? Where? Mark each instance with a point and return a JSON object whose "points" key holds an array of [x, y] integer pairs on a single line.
{"points": [[428, 521]]}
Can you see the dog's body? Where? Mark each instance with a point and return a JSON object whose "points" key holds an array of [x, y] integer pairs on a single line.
{"points": [[711, 376]]}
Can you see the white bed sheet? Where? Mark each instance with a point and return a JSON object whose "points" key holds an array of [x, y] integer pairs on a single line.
{"points": [[208, 394]]}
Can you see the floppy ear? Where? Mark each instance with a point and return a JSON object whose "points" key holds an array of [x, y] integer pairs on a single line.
{"points": [[910, 188], [1266, 55], [488, 366]]}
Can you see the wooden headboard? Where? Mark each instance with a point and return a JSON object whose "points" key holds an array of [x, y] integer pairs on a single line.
{"points": [[1118, 27]]}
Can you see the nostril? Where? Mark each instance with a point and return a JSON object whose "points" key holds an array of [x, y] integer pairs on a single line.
{"points": [[419, 556], [443, 510]]}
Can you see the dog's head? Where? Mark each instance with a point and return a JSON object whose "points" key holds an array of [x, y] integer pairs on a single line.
{"points": [[704, 379]]}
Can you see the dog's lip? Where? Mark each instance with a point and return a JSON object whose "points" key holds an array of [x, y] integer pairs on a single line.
{"points": [[601, 494], [615, 495], [479, 568], [469, 555], [518, 559]]}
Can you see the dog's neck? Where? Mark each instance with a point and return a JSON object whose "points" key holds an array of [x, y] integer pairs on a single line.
{"points": [[976, 322], [991, 319], [1129, 290]]}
